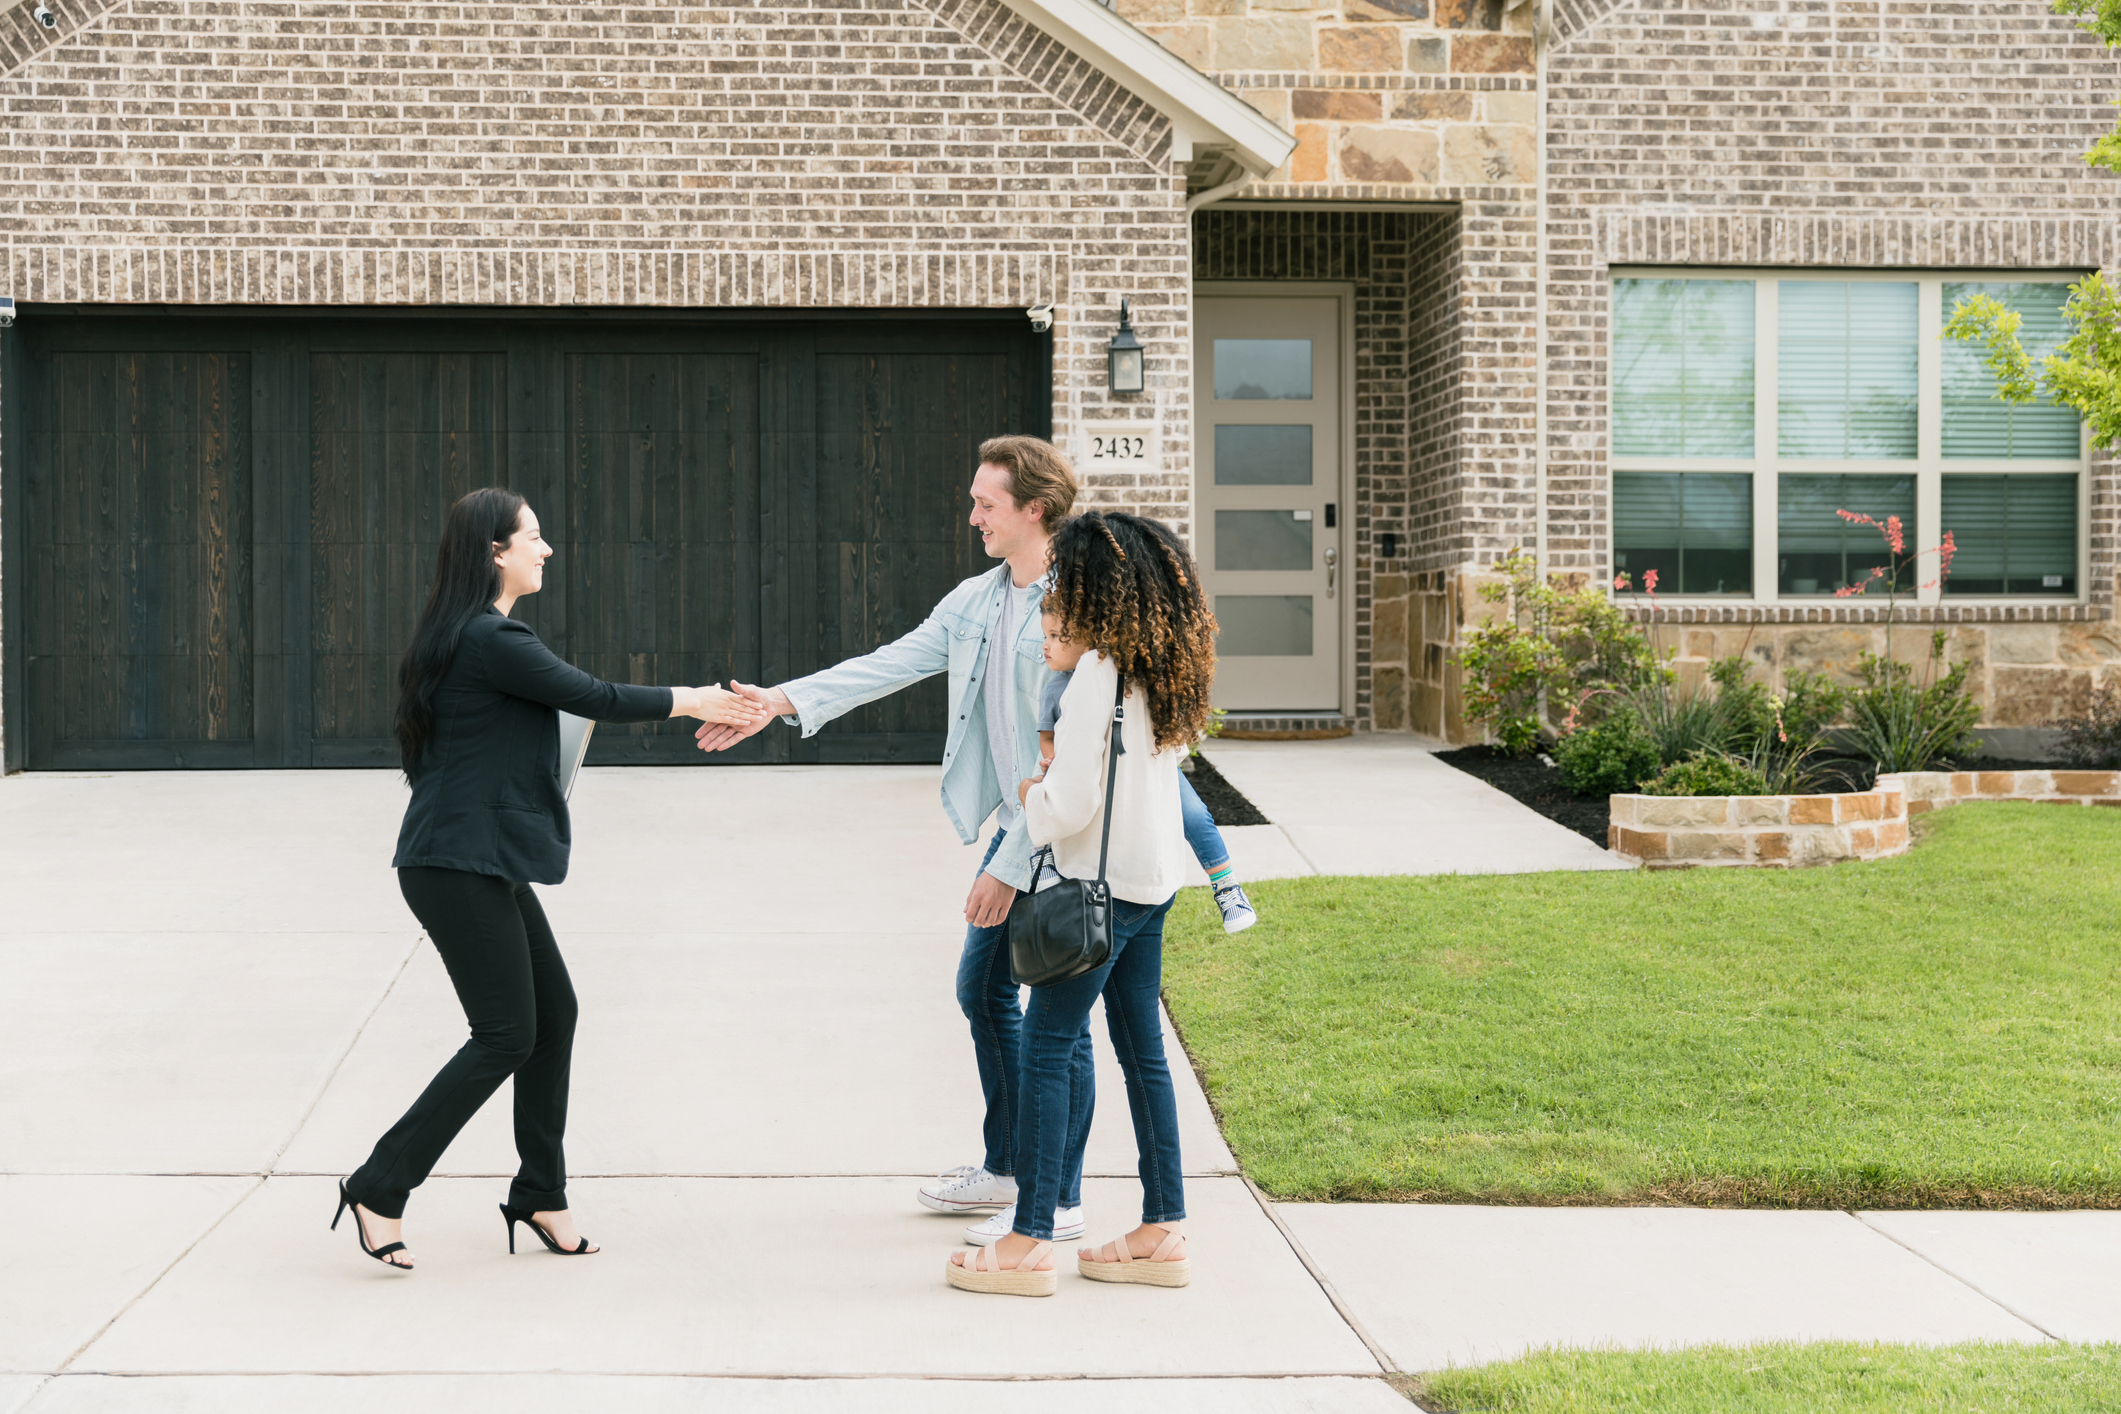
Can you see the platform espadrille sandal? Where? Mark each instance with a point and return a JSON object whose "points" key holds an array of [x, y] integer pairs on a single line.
{"points": [[1157, 1269], [982, 1271]]}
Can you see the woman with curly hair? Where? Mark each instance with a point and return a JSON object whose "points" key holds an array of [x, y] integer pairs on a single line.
{"points": [[1124, 589]]}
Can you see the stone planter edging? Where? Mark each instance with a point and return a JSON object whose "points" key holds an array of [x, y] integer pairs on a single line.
{"points": [[1932, 790], [1771, 831], [1792, 831]]}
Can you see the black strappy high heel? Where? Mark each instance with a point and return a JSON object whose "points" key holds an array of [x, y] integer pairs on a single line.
{"points": [[522, 1215], [381, 1254]]}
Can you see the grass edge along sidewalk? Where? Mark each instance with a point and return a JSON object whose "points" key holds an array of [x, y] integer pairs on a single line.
{"points": [[1786, 1379], [1937, 1030]]}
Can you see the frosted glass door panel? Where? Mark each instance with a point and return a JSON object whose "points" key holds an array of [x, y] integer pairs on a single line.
{"points": [[1263, 625], [1269, 454], [1262, 540], [1269, 398], [1253, 370]]}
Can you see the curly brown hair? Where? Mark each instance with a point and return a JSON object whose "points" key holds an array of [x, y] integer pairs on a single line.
{"points": [[1126, 587]]}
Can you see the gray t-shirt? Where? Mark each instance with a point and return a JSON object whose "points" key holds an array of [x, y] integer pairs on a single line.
{"points": [[1011, 607], [1049, 699]]}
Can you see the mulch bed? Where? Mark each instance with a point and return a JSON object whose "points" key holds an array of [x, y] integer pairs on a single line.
{"points": [[1531, 781], [1226, 804]]}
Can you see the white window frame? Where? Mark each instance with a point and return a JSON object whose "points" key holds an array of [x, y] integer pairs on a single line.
{"points": [[1928, 465]]}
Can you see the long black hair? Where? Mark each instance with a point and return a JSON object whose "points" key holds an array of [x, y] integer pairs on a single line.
{"points": [[467, 582], [1125, 586]]}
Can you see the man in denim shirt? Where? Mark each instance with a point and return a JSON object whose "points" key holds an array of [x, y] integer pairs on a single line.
{"points": [[986, 635]]}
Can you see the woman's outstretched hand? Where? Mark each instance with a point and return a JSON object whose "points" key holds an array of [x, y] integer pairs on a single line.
{"points": [[717, 708], [718, 734]]}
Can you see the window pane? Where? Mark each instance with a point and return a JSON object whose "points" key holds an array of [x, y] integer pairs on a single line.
{"points": [[2015, 534], [1819, 551], [1252, 369], [1263, 456], [1846, 371], [1262, 540], [1263, 625], [1977, 423], [1694, 528], [1683, 368]]}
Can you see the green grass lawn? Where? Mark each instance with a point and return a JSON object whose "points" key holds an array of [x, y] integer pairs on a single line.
{"points": [[1937, 1029], [1791, 1379]]}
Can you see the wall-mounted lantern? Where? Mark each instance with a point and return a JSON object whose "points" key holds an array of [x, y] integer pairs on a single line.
{"points": [[1123, 357]]}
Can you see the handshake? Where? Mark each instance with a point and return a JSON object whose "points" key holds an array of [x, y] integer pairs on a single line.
{"points": [[728, 716]]}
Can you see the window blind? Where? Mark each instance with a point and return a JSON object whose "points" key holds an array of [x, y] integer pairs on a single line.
{"points": [[1817, 552], [2015, 534], [1846, 374], [1977, 422], [1683, 368], [1694, 528]]}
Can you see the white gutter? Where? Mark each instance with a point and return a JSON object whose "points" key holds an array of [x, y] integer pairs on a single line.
{"points": [[1202, 112]]}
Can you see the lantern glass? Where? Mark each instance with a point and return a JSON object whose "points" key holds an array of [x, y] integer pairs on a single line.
{"points": [[1126, 371]]}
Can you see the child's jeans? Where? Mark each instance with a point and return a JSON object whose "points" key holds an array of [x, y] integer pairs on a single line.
{"points": [[1207, 841]]}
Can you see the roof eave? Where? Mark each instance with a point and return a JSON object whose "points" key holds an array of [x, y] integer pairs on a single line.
{"points": [[1202, 112]]}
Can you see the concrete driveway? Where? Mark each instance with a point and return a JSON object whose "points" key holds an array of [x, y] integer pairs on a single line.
{"points": [[217, 1000]]}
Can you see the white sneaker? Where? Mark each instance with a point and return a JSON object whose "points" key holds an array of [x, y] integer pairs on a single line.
{"points": [[1067, 1226], [1236, 908], [969, 1189]]}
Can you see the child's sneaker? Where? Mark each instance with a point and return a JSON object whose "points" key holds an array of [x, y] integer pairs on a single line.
{"points": [[1237, 909]]}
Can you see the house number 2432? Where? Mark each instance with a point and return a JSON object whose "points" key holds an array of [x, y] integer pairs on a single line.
{"points": [[1118, 448]]}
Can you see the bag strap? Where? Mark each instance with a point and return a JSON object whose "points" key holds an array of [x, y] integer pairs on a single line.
{"points": [[1119, 717]]}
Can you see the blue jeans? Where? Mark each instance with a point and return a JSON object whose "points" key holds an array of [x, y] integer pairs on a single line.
{"points": [[1049, 1150], [988, 995], [1207, 841]]}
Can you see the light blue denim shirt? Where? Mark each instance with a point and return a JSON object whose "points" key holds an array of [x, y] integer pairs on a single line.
{"points": [[952, 639]]}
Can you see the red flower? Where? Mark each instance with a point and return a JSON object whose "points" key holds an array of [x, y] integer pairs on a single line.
{"points": [[1620, 581], [1893, 536], [1649, 581]]}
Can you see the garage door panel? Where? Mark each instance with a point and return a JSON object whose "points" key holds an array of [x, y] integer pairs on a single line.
{"points": [[396, 436], [138, 535], [660, 528]]}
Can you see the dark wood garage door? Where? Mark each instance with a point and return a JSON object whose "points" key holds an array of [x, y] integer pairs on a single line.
{"points": [[227, 523]]}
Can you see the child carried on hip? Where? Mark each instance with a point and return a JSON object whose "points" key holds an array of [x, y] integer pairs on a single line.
{"points": [[1201, 834]]}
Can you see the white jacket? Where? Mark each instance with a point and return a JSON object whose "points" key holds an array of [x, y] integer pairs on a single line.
{"points": [[1067, 809]]}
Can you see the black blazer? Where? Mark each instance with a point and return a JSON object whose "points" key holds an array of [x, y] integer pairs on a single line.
{"points": [[488, 799]]}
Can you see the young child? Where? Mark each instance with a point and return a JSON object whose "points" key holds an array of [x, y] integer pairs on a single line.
{"points": [[1207, 841]]}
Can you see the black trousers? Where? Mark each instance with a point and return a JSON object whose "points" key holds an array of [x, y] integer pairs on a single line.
{"points": [[509, 976]]}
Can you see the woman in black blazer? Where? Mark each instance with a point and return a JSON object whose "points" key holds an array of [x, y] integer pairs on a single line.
{"points": [[479, 731]]}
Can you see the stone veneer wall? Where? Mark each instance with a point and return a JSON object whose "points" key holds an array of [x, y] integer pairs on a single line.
{"points": [[1933, 790]]}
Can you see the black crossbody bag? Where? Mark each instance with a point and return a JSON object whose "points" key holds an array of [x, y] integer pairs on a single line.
{"points": [[1064, 931]]}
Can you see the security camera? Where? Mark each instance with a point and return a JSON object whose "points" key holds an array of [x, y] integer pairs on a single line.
{"points": [[7, 311], [1041, 318], [44, 15]]}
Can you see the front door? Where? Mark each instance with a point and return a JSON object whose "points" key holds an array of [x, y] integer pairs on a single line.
{"points": [[1267, 454]]}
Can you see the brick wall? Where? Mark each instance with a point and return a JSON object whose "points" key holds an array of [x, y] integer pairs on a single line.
{"points": [[1804, 133], [861, 153]]}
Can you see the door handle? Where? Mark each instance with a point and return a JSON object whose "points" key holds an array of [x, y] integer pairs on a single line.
{"points": [[1332, 568]]}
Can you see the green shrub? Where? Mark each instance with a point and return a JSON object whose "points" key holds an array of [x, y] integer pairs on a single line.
{"points": [[1903, 727], [1707, 773], [1545, 643], [2094, 739], [1609, 757]]}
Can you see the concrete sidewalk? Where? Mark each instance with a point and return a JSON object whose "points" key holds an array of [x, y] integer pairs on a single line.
{"points": [[216, 1000], [1379, 804]]}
